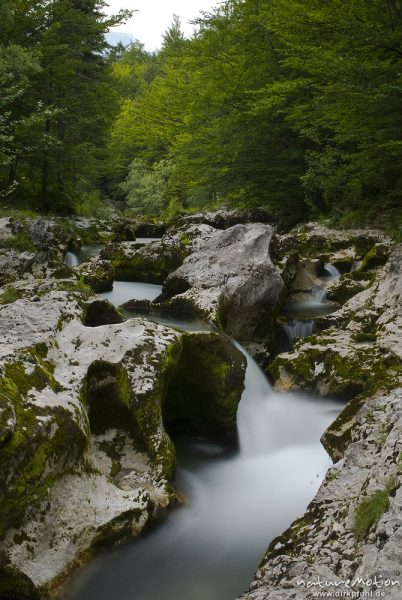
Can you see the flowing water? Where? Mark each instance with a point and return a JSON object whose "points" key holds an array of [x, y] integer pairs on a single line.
{"points": [[237, 502], [123, 291], [210, 548], [72, 259], [302, 314], [143, 240]]}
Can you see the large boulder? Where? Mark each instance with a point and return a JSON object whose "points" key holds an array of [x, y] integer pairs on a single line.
{"points": [[225, 218], [229, 280], [153, 262], [85, 459], [317, 238]]}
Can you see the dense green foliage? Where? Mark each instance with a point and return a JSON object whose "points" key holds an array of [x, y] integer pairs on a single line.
{"points": [[57, 102], [289, 104]]}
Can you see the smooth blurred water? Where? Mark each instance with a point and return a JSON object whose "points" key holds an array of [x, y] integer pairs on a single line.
{"points": [[123, 291], [72, 259], [210, 548], [143, 240]]}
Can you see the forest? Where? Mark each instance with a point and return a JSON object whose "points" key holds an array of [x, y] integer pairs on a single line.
{"points": [[290, 105]]}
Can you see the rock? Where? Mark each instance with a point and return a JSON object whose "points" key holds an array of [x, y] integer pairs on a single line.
{"points": [[5, 229], [87, 461], [102, 231], [214, 370], [347, 286], [150, 230], [332, 541], [141, 306], [229, 280], [377, 256], [306, 275], [46, 234], [153, 262], [285, 255], [361, 348], [260, 351], [316, 239], [224, 218], [14, 265], [98, 274], [101, 312]]}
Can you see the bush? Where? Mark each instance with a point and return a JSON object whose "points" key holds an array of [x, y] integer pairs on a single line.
{"points": [[90, 204]]}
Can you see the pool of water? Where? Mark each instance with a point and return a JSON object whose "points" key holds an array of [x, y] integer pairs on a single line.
{"points": [[123, 291]]}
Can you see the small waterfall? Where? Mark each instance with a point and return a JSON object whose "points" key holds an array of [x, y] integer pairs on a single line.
{"points": [[332, 271], [71, 259], [319, 294], [252, 420], [296, 328]]}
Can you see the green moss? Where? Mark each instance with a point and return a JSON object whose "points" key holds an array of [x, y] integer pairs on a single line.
{"points": [[76, 286], [108, 397], [364, 337], [185, 240], [376, 257], [115, 470], [206, 388], [11, 294], [21, 242], [14, 584], [370, 510], [44, 442]]}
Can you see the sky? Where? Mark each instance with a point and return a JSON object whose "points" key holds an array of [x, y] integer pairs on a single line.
{"points": [[155, 16]]}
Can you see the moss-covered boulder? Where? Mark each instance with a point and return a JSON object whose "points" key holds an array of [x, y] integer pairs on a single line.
{"points": [[376, 256], [97, 274], [205, 390], [348, 285], [85, 459], [317, 238], [153, 262]]}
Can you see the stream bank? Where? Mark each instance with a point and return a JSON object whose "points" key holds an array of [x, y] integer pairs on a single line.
{"points": [[257, 274]]}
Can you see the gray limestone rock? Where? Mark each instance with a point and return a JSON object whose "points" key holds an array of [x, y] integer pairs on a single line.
{"points": [[230, 280]]}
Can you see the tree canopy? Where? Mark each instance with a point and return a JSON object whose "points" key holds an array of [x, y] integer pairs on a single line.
{"points": [[289, 104]]}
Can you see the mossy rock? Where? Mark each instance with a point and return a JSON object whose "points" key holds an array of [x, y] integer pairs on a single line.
{"points": [[97, 274], [101, 312], [338, 435], [7, 419], [206, 388], [345, 288], [45, 442], [319, 366], [16, 585], [150, 265], [376, 257]]}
